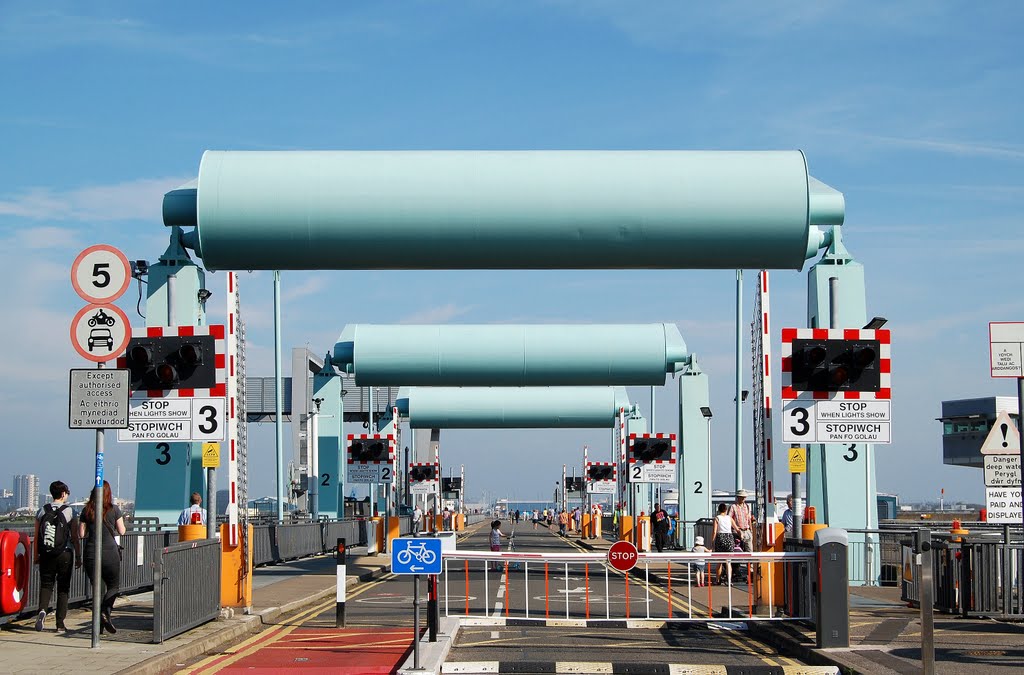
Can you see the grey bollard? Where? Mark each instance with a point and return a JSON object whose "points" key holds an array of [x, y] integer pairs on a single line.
{"points": [[832, 597]]}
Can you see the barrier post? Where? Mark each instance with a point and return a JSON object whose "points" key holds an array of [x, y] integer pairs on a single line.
{"points": [[833, 594], [433, 615], [416, 622], [339, 617]]}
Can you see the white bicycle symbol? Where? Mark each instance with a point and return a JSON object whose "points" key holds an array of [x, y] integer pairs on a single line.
{"points": [[418, 551]]}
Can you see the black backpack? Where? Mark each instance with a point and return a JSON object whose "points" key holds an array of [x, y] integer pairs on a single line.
{"points": [[54, 531]]}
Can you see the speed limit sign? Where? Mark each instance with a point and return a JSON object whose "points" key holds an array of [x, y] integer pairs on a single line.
{"points": [[101, 274]]}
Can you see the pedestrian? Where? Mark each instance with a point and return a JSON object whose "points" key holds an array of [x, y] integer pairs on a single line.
{"points": [[659, 519], [576, 518], [446, 519], [744, 522], [699, 566], [417, 516], [563, 522], [722, 539], [495, 542], [108, 525], [195, 514], [787, 517], [57, 550]]}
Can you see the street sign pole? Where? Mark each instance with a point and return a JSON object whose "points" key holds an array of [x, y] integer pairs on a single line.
{"points": [[1020, 433], [416, 622], [97, 536]]}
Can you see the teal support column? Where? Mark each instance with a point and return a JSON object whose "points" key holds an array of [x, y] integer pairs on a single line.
{"points": [[840, 478], [327, 385], [694, 451], [167, 472]]}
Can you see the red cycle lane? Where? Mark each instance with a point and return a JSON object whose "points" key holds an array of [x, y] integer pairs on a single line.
{"points": [[337, 650]]}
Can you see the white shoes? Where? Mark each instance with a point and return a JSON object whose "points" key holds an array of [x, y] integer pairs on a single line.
{"points": [[39, 619]]}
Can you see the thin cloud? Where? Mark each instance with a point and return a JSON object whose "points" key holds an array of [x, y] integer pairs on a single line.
{"points": [[132, 200], [310, 286], [436, 314]]}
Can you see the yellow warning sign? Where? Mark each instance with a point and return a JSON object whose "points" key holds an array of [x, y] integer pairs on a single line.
{"points": [[798, 460], [211, 455]]}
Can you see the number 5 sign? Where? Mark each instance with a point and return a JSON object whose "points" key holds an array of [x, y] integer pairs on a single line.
{"points": [[101, 274]]}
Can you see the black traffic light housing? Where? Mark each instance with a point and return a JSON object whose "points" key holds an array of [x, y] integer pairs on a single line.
{"points": [[652, 449], [574, 484], [451, 484], [599, 472], [369, 450], [422, 473], [171, 362], [835, 365]]}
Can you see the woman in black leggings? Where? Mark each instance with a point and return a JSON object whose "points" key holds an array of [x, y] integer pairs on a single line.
{"points": [[111, 523]]}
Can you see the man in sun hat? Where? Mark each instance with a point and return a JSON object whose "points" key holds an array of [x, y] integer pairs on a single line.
{"points": [[744, 520]]}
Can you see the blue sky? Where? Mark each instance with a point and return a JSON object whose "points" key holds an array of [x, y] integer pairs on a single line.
{"points": [[913, 110]]}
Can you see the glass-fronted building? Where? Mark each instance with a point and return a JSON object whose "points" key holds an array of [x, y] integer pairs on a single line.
{"points": [[967, 422]]}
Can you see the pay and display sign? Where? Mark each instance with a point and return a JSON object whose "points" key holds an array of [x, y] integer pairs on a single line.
{"points": [[837, 421]]}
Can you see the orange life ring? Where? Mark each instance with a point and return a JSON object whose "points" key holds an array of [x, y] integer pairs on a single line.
{"points": [[15, 565]]}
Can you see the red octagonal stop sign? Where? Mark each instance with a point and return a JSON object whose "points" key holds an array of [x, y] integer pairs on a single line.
{"points": [[622, 556]]}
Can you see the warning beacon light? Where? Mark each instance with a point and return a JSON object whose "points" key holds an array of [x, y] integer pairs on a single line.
{"points": [[422, 473], [369, 450], [652, 449], [835, 365], [340, 551], [598, 472]]}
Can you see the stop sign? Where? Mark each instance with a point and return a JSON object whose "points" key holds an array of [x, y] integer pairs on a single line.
{"points": [[622, 556]]}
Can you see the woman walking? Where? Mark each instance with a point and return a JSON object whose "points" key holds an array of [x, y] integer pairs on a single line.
{"points": [[723, 539], [109, 523]]}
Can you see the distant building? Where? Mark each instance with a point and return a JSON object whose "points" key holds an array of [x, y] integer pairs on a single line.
{"points": [[6, 501], [26, 491], [965, 425]]}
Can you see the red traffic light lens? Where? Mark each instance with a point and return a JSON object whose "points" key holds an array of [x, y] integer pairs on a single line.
{"points": [[816, 355], [190, 354], [140, 356], [864, 356], [166, 373], [839, 375]]}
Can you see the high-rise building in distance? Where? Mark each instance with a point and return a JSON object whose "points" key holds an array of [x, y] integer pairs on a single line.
{"points": [[26, 491]]}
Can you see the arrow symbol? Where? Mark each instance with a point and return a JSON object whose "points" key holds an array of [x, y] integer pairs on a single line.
{"points": [[416, 569]]}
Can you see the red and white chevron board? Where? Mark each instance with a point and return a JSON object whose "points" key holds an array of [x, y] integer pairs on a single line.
{"points": [[615, 472], [232, 392], [766, 384], [672, 437], [884, 361], [219, 389], [375, 437]]}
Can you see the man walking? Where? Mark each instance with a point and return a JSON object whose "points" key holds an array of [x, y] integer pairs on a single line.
{"points": [[743, 520], [660, 521], [57, 548]]}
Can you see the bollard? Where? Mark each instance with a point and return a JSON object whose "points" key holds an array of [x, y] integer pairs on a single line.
{"points": [[923, 555], [433, 613], [832, 596], [339, 617]]}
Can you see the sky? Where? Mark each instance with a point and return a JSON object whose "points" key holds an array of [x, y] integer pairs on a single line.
{"points": [[913, 110]]}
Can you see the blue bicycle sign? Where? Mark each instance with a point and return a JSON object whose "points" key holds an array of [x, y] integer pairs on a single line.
{"points": [[415, 556]]}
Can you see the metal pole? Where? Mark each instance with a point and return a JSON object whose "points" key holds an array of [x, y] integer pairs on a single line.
{"points": [[798, 511], [927, 606], [314, 464], [370, 430], [707, 488], [1020, 433], [279, 396], [416, 622], [739, 379], [563, 487], [97, 536]]}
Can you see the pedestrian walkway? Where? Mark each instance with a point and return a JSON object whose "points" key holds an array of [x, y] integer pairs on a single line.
{"points": [[277, 590]]}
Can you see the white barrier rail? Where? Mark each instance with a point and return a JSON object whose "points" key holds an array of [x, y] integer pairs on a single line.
{"points": [[662, 587]]}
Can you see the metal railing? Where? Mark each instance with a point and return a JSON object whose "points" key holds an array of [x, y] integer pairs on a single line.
{"points": [[581, 587], [186, 587]]}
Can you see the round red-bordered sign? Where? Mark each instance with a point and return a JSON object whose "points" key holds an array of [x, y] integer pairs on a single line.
{"points": [[623, 556], [100, 332], [101, 274]]}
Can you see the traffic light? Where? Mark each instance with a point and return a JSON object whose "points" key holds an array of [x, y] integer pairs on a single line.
{"points": [[652, 449], [835, 365], [600, 472], [422, 473], [451, 484], [369, 450], [172, 362], [574, 484]]}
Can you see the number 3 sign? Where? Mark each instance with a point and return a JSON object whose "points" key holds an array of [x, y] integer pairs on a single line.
{"points": [[101, 274]]}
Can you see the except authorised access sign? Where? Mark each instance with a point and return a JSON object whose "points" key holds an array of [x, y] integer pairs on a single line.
{"points": [[837, 421], [99, 399]]}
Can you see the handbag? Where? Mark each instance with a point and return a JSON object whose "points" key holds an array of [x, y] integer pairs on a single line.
{"points": [[120, 549]]}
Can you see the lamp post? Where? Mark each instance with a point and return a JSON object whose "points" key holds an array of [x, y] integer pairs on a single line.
{"points": [[706, 412]]}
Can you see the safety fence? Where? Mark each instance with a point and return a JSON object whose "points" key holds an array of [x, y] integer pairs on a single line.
{"points": [[186, 587], [581, 587], [971, 577]]}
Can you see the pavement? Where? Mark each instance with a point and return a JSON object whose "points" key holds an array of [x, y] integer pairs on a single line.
{"points": [[885, 633]]}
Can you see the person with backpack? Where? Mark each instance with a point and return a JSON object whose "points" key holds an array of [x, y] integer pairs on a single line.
{"points": [[109, 525], [57, 549]]}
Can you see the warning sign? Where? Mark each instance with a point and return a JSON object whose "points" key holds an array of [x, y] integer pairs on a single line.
{"points": [[1003, 505], [798, 460], [1003, 439], [211, 455]]}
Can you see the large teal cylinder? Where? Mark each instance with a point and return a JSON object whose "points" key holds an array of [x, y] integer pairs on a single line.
{"points": [[506, 210], [512, 407], [510, 356]]}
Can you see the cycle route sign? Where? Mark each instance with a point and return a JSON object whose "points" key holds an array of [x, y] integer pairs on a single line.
{"points": [[415, 555]]}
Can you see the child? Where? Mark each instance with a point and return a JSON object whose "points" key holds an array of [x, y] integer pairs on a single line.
{"points": [[698, 547], [495, 541]]}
